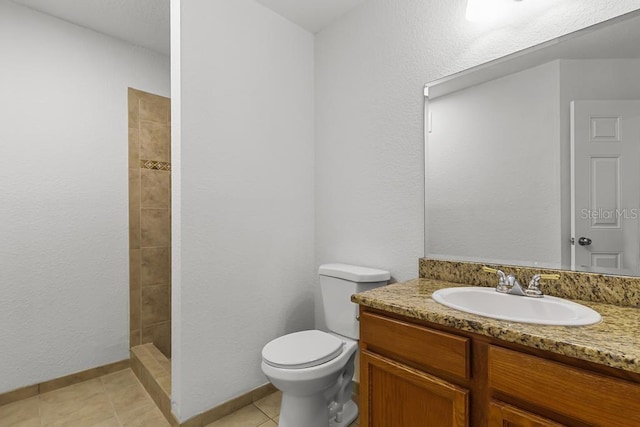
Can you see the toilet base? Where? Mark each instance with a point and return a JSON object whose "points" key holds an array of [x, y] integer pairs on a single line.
{"points": [[312, 411], [349, 415]]}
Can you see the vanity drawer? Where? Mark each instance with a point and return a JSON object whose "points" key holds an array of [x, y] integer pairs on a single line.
{"points": [[566, 390], [418, 344]]}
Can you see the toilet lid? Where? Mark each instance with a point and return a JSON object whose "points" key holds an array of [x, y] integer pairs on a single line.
{"points": [[302, 350]]}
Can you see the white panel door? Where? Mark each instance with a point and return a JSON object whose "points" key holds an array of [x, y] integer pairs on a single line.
{"points": [[605, 198]]}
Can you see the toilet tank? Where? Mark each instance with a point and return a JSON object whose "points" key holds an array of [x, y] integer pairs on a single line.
{"points": [[337, 283]]}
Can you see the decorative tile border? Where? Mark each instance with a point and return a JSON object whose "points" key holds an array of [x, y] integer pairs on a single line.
{"points": [[618, 290], [152, 164]]}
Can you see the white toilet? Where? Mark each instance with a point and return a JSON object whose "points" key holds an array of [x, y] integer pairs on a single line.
{"points": [[314, 369]]}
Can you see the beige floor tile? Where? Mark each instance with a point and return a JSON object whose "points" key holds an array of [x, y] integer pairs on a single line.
{"points": [[155, 421], [269, 423], [80, 413], [129, 398], [113, 400], [83, 404], [149, 416], [33, 422], [276, 420], [111, 422], [119, 380], [73, 392], [21, 413], [136, 412], [270, 404], [249, 416]]}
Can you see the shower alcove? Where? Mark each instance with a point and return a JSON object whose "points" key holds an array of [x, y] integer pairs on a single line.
{"points": [[150, 242]]}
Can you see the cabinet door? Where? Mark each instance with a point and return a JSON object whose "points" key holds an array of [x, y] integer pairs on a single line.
{"points": [[503, 415], [396, 395]]}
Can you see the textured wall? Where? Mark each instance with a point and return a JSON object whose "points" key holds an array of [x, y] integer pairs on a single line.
{"points": [[370, 70], [63, 180], [245, 270]]}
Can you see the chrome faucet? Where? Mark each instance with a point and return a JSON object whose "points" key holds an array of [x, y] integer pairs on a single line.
{"points": [[508, 284], [533, 290], [514, 287]]}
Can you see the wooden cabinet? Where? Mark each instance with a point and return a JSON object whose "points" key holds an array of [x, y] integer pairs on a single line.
{"points": [[398, 392], [402, 396], [413, 373], [585, 396], [503, 415], [417, 344]]}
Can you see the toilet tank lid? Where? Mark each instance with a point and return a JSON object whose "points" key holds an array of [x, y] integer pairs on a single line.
{"points": [[354, 273]]}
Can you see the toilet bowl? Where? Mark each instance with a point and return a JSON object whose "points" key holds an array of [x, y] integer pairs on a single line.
{"points": [[310, 383], [314, 369]]}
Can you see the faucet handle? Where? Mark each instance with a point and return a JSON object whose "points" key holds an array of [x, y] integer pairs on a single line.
{"points": [[534, 285], [502, 285]]}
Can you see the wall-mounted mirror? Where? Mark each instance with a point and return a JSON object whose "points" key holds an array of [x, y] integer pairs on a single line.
{"points": [[534, 159]]}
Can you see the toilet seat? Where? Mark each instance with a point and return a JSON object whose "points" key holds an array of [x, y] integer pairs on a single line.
{"points": [[301, 350]]}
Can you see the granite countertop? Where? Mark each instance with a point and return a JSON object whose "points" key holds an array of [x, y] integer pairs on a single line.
{"points": [[614, 342]]}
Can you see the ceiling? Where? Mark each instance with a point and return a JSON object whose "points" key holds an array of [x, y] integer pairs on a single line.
{"points": [[312, 15], [146, 22], [141, 22]]}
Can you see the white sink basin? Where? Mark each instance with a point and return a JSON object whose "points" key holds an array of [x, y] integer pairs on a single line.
{"points": [[542, 311]]}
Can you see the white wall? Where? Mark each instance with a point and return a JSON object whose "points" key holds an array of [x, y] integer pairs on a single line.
{"points": [[370, 70], [493, 171], [247, 208], [63, 186]]}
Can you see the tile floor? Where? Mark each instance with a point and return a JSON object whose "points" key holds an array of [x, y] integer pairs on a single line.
{"points": [[119, 400], [114, 400], [262, 413]]}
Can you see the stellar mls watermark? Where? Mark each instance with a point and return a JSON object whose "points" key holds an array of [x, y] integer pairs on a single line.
{"points": [[610, 213]]}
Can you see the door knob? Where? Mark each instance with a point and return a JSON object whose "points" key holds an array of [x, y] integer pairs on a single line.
{"points": [[584, 241]]}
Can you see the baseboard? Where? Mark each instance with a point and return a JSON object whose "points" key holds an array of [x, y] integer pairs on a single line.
{"points": [[152, 382], [67, 380], [230, 406]]}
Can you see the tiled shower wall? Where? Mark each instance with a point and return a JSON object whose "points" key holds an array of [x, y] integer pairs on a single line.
{"points": [[150, 220]]}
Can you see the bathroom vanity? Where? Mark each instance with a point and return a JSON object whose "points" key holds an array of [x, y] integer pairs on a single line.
{"points": [[423, 364], [516, 155]]}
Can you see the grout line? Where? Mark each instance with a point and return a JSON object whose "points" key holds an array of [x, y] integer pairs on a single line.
{"points": [[256, 406], [113, 407], [40, 411], [148, 325]]}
